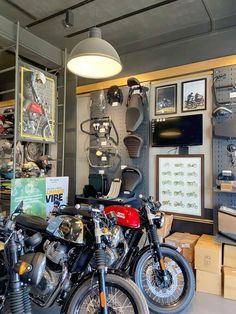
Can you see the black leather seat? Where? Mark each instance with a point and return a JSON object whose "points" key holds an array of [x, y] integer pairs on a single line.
{"points": [[32, 222]]}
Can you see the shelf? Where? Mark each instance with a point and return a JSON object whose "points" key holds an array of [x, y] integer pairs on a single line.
{"points": [[5, 192], [224, 240], [6, 136], [215, 189], [8, 91]]}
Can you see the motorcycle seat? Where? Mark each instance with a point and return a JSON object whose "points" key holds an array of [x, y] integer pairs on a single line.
{"points": [[32, 222]]}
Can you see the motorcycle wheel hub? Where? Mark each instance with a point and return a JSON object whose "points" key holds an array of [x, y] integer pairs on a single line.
{"points": [[157, 286]]}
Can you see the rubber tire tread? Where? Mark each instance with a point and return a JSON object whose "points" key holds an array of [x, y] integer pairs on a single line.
{"points": [[190, 288], [125, 283]]}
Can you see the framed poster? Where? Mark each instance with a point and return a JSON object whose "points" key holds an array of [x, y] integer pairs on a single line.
{"points": [[165, 99], [37, 112], [180, 184], [194, 95]]}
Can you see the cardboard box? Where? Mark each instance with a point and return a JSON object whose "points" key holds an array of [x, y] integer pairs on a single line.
{"points": [[165, 230], [230, 255], [230, 283], [185, 242], [208, 282], [208, 255]]}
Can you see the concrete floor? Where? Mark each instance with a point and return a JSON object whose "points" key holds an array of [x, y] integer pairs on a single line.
{"points": [[203, 303]]}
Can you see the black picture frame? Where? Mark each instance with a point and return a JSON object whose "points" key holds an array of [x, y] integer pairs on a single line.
{"points": [[194, 95], [165, 99]]}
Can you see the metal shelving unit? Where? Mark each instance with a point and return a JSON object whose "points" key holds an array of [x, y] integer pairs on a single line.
{"points": [[14, 93]]}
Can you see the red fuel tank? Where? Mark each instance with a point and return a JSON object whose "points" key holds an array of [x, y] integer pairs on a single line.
{"points": [[126, 216]]}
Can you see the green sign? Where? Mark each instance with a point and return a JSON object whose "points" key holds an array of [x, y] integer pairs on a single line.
{"points": [[32, 191]]}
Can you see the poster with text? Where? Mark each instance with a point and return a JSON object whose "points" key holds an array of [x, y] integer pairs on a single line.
{"points": [[37, 104], [30, 191], [56, 193]]}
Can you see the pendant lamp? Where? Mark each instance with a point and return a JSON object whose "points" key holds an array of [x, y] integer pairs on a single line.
{"points": [[94, 57]]}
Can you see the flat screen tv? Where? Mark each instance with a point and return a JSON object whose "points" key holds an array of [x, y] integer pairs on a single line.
{"points": [[177, 131]]}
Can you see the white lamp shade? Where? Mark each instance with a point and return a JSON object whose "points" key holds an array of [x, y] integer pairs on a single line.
{"points": [[94, 58]]}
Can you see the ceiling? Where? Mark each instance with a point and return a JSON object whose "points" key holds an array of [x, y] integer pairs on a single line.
{"points": [[158, 27]]}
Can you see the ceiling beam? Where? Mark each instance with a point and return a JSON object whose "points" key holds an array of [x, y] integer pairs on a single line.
{"points": [[122, 17], [31, 46], [61, 12]]}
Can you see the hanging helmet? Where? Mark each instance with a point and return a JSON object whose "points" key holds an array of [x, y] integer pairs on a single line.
{"points": [[114, 95], [40, 77]]}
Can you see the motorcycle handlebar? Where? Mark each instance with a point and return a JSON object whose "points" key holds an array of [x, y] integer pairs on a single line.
{"points": [[157, 204]]}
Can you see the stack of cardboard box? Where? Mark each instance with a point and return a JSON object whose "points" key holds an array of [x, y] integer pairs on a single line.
{"points": [[185, 242], [165, 230], [208, 262], [229, 272]]}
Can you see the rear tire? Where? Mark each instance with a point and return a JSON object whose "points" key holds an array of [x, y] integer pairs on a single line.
{"points": [[160, 299], [115, 285]]}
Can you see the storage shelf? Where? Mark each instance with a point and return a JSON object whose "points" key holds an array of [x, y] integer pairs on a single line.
{"points": [[215, 189], [222, 239], [6, 136]]}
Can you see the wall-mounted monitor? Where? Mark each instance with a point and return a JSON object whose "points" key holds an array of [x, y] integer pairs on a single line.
{"points": [[177, 131]]}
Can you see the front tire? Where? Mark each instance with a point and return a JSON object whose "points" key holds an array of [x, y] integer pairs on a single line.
{"points": [[180, 290], [123, 297]]}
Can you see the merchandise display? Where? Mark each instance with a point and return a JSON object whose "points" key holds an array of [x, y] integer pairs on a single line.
{"points": [[89, 128]]}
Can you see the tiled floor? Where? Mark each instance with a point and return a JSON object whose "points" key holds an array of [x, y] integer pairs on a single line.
{"points": [[203, 303]]}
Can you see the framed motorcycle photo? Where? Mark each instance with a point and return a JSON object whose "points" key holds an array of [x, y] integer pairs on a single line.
{"points": [[37, 105], [194, 95], [165, 99]]}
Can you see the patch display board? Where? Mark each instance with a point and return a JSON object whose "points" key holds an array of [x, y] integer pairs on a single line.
{"points": [[37, 111], [180, 184]]}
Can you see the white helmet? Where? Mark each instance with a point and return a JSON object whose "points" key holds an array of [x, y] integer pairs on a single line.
{"points": [[40, 77]]}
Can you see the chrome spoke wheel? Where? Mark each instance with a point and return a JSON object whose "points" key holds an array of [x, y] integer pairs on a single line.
{"points": [[118, 302], [164, 293]]}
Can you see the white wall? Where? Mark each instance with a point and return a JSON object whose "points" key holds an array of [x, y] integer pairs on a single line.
{"points": [[82, 167], [205, 149]]}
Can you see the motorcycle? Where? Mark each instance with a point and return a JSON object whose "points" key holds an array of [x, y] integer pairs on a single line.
{"points": [[76, 274], [17, 269], [36, 120], [163, 275]]}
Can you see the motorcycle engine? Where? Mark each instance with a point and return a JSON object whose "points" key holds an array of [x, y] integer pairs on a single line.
{"points": [[56, 254], [116, 247]]}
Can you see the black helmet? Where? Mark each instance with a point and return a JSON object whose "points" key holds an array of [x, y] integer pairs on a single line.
{"points": [[114, 95]]}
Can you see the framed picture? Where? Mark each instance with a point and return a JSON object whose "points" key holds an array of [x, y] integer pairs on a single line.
{"points": [[37, 110], [194, 95], [180, 184], [165, 99]]}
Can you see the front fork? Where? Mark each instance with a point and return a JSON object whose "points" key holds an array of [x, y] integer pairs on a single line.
{"points": [[155, 246], [101, 267]]}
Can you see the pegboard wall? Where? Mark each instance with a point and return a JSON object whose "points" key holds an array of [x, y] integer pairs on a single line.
{"points": [[224, 82], [117, 115]]}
